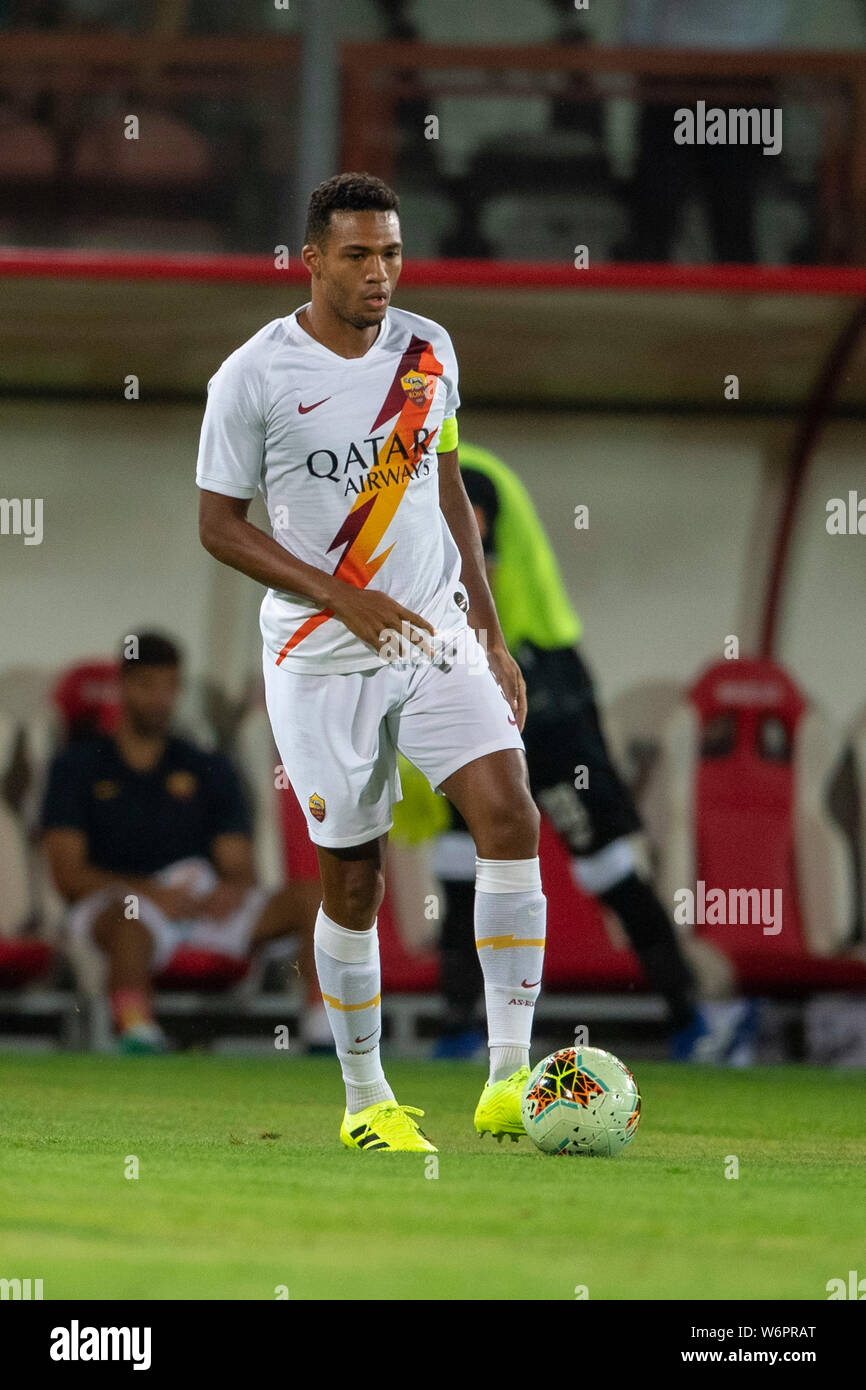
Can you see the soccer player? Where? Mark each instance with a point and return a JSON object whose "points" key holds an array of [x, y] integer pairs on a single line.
{"points": [[594, 817], [344, 414]]}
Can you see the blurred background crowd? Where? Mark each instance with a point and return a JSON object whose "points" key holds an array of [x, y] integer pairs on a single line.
{"points": [[546, 112]]}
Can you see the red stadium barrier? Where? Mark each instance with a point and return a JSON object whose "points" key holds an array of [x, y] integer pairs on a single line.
{"points": [[480, 274]]}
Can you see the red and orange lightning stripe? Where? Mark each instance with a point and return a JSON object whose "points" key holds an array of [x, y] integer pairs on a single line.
{"points": [[370, 516]]}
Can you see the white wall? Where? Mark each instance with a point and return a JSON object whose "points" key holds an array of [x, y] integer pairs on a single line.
{"points": [[668, 568], [120, 549]]}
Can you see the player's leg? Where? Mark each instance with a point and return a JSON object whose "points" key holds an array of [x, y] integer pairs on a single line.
{"points": [[129, 947], [348, 968], [337, 753], [492, 795], [347, 965], [455, 726]]}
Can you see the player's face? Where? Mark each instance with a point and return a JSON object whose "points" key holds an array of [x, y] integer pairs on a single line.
{"points": [[149, 696], [359, 265]]}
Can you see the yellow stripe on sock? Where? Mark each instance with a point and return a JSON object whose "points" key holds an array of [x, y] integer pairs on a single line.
{"points": [[501, 943], [351, 1008]]}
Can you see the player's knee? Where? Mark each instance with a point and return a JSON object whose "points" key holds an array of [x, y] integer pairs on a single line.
{"points": [[511, 829], [112, 921], [360, 896]]}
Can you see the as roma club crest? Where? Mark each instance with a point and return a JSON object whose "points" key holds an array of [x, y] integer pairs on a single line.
{"points": [[316, 804], [419, 387]]}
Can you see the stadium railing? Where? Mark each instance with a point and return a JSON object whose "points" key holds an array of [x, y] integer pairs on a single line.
{"points": [[377, 77]]}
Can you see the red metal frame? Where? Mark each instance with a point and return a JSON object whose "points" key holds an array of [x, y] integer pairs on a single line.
{"points": [[468, 274]]}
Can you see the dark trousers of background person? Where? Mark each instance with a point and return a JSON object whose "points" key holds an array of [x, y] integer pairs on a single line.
{"points": [[563, 732], [725, 177]]}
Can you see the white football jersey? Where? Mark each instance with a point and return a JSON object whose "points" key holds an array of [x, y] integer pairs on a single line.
{"points": [[344, 453]]}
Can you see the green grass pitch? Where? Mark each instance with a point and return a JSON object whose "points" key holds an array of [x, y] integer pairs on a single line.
{"points": [[243, 1187]]}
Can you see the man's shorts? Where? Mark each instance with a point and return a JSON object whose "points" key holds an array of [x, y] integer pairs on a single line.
{"points": [[338, 734], [229, 935]]}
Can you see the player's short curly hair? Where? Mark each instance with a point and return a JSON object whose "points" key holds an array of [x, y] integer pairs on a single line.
{"points": [[346, 193]]}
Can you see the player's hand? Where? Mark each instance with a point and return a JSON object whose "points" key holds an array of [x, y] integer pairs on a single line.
{"points": [[510, 679], [177, 903], [226, 897], [379, 620]]}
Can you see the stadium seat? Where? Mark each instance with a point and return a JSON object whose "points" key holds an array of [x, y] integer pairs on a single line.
{"points": [[172, 155], [858, 751], [25, 958], [28, 177], [27, 152], [744, 772], [22, 962], [548, 226], [16, 904], [88, 698], [170, 175], [191, 968]]}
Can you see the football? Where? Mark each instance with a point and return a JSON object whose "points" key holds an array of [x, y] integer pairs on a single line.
{"points": [[581, 1100]]}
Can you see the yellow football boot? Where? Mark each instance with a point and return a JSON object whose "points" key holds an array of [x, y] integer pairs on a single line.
{"points": [[498, 1111], [385, 1125]]}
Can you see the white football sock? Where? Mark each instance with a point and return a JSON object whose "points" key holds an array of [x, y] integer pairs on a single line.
{"points": [[510, 929], [347, 964]]}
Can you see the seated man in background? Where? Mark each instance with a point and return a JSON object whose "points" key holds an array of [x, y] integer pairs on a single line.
{"points": [[148, 839]]}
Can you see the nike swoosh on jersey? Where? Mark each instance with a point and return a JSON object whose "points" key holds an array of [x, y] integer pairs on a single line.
{"points": [[368, 520], [305, 409]]}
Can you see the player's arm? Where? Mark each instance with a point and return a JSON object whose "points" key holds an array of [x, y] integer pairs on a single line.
{"points": [[231, 448], [232, 856], [226, 534], [460, 516], [74, 877]]}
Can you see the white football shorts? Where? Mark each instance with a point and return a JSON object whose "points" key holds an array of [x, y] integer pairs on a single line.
{"points": [[338, 734], [229, 935]]}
